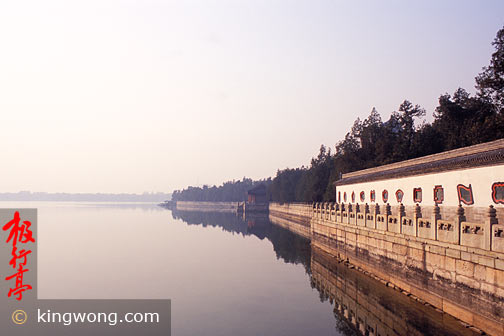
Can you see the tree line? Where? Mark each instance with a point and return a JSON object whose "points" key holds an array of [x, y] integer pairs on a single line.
{"points": [[231, 191], [459, 120]]}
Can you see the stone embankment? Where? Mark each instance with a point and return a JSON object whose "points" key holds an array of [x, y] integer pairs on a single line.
{"points": [[209, 206], [454, 264], [295, 217]]}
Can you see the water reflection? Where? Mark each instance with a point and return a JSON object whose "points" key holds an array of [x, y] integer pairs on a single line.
{"points": [[145, 206], [288, 246], [220, 272], [361, 304], [364, 306], [219, 283]]}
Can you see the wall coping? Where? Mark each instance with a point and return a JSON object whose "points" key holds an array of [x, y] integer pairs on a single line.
{"points": [[485, 154]]}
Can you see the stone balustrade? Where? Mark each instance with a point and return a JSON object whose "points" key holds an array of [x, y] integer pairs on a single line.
{"points": [[486, 235], [452, 258]]}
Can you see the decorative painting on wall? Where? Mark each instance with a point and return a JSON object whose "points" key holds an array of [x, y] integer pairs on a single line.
{"points": [[385, 196], [417, 195], [465, 194], [399, 194], [498, 192], [438, 194]]}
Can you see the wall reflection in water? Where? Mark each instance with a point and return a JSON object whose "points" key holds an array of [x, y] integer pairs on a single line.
{"points": [[362, 305], [288, 246]]}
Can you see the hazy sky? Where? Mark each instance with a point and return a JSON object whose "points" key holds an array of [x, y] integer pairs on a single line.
{"points": [[133, 96]]}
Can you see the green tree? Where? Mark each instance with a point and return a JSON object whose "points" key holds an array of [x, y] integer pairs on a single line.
{"points": [[406, 119], [490, 83], [461, 120]]}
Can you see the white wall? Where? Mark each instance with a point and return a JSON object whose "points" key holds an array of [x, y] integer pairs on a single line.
{"points": [[481, 180]]}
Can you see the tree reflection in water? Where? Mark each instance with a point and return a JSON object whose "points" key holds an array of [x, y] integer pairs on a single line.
{"points": [[288, 246], [362, 305]]}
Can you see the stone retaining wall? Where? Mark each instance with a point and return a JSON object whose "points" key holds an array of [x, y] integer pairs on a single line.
{"points": [[295, 217], [374, 308], [208, 206], [300, 213], [454, 264]]}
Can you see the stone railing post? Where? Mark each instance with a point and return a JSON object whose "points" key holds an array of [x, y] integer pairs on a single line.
{"points": [[435, 216], [489, 222], [376, 212], [497, 236], [417, 214], [386, 213], [459, 218], [356, 212], [366, 211], [400, 216]]}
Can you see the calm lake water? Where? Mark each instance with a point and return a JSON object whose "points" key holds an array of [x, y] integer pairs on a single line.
{"points": [[225, 275]]}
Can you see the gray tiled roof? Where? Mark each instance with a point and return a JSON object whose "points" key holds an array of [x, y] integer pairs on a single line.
{"points": [[490, 153]]}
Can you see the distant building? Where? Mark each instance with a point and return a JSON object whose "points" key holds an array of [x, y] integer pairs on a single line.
{"points": [[258, 195]]}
